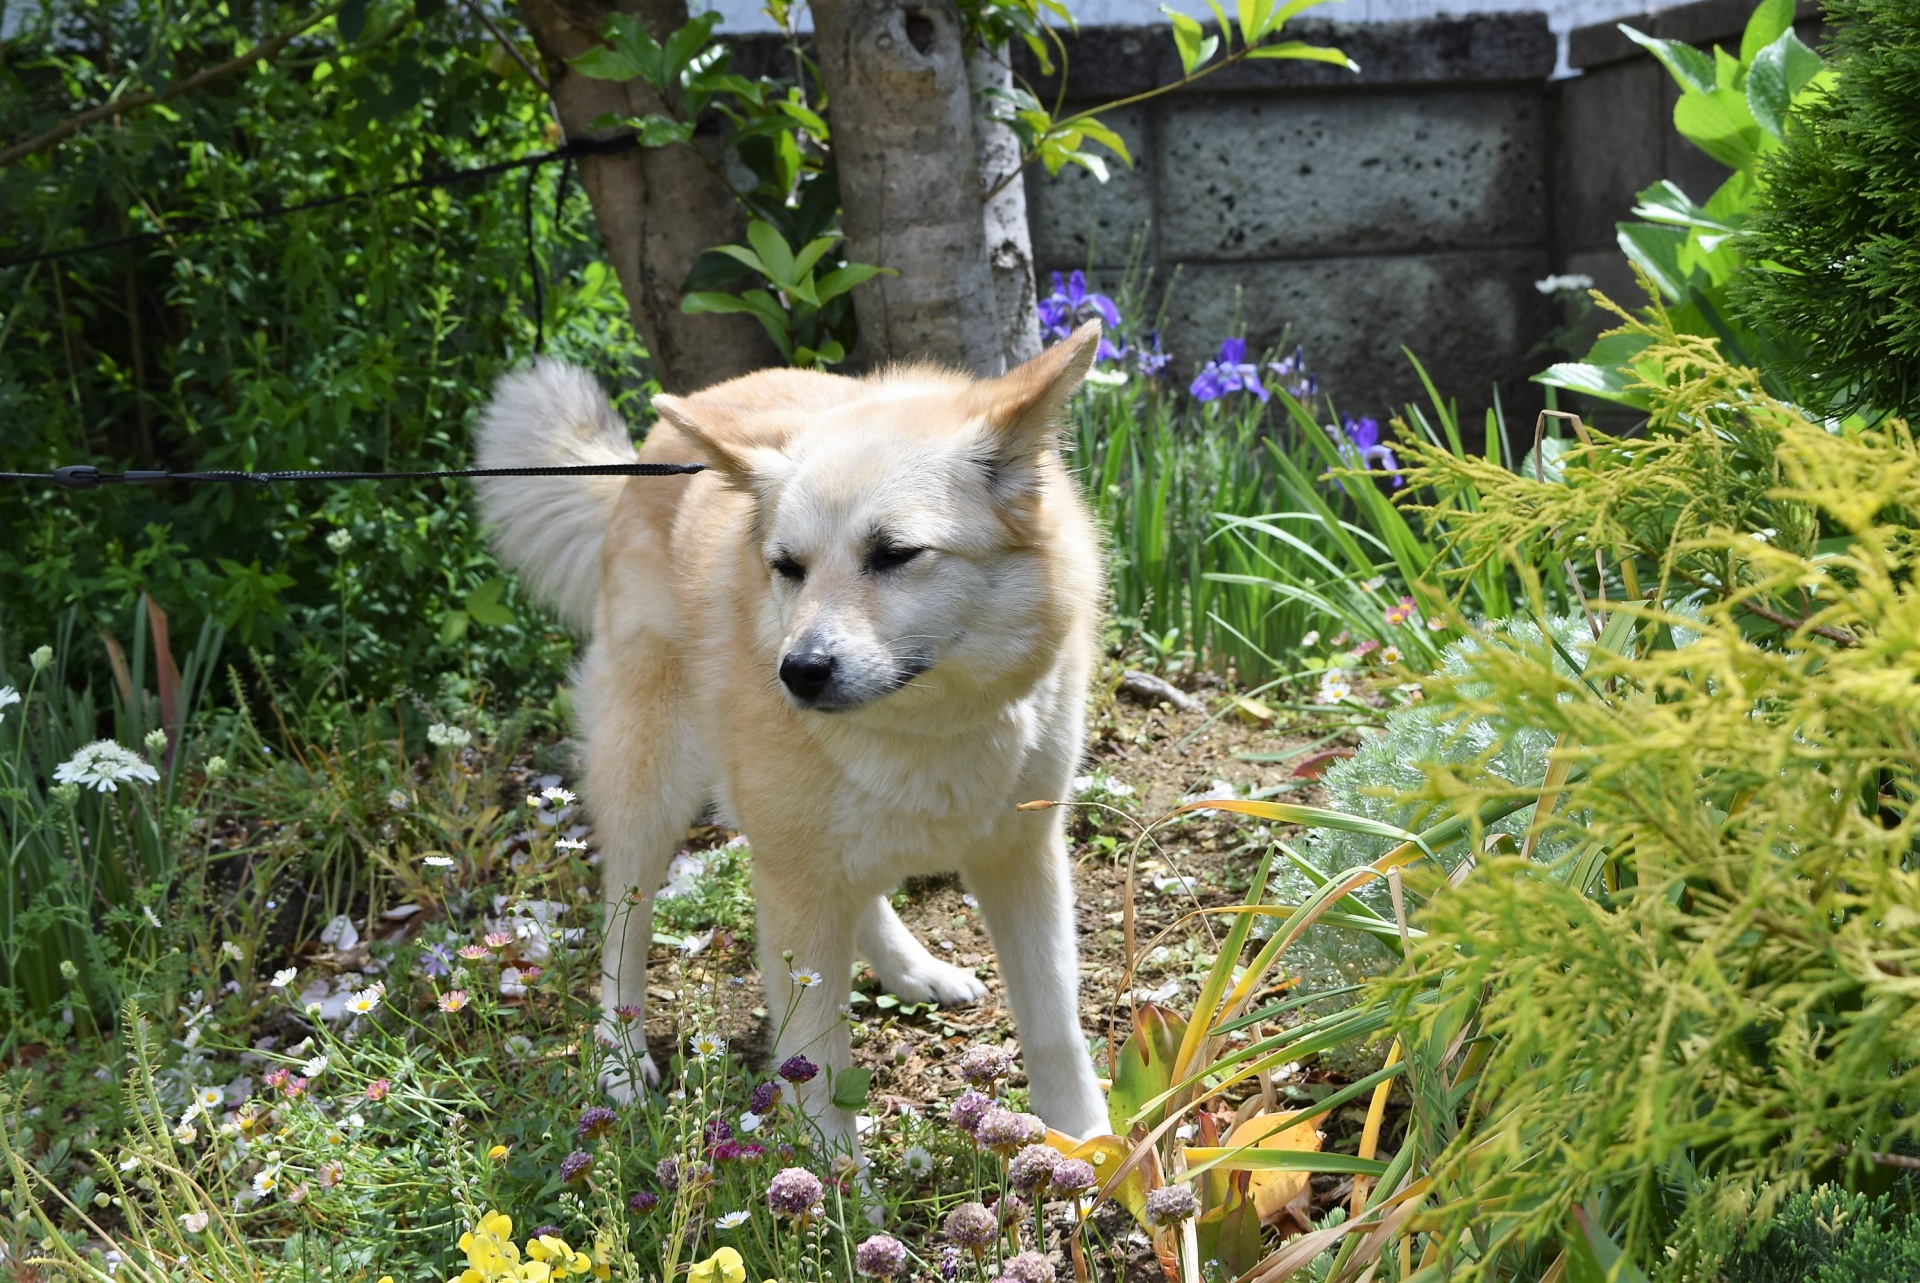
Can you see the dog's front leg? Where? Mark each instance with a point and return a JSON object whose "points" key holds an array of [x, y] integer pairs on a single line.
{"points": [[806, 958], [1026, 896]]}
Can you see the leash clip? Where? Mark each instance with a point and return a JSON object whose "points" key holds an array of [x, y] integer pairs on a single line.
{"points": [[77, 476]]}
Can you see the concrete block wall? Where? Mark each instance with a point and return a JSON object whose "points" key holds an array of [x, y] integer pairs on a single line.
{"points": [[1406, 205]]}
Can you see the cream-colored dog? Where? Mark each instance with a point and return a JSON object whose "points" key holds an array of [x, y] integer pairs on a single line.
{"points": [[865, 635]]}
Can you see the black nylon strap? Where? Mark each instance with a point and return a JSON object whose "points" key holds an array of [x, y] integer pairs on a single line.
{"points": [[83, 477]]}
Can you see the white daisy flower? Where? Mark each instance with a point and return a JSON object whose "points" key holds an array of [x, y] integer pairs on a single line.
{"points": [[708, 1045], [194, 1222], [104, 766], [364, 1001], [732, 1220], [208, 1099], [1312, 638], [315, 1067], [266, 1181], [804, 977], [283, 977], [228, 949], [916, 1161], [186, 1133], [438, 861], [559, 796], [397, 799], [1334, 687], [441, 735], [8, 698], [130, 1162]]}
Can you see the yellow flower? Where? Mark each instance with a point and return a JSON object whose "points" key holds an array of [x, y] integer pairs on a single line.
{"points": [[562, 1259], [497, 1153], [724, 1266], [490, 1249], [386, 1278]]}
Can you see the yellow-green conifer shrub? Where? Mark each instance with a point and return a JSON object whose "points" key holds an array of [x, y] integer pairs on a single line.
{"points": [[1715, 998]]}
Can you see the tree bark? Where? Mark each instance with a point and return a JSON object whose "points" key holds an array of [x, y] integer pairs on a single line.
{"points": [[657, 208], [1009, 243], [903, 142]]}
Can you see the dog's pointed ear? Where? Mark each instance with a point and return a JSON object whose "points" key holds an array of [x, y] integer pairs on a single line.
{"points": [[1024, 405], [733, 443]]}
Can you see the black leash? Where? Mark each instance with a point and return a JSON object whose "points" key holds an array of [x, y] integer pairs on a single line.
{"points": [[83, 477]]}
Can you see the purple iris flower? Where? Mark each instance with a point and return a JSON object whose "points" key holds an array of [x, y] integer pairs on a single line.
{"points": [[1300, 383], [1364, 447], [1072, 303], [1149, 357], [1231, 373]]}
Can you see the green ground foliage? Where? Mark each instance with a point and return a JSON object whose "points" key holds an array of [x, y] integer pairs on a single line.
{"points": [[1830, 1235], [1836, 233]]}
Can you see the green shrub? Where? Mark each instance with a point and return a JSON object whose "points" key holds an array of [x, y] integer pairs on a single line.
{"points": [[1829, 1235], [1836, 233]]}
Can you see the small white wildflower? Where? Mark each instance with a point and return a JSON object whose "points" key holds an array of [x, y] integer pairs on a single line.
{"points": [[1569, 283], [438, 861], [339, 541], [533, 800], [708, 1045], [130, 1162], [1390, 655], [69, 970], [228, 949], [1375, 584], [356, 1120], [1334, 687], [208, 1099], [216, 767], [265, 1182], [8, 698], [41, 657], [315, 1067], [186, 1133], [1312, 638], [804, 977], [569, 844], [916, 1161], [104, 766], [283, 977], [559, 796], [519, 1046], [364, 1001], [397, 799], [441, 735], [194, 1222], [731, 1220], [1107, 378], [156, 742]]}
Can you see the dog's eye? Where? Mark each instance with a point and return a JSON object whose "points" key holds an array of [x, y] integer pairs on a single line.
{"points": [[891, 557], [788, 568]]}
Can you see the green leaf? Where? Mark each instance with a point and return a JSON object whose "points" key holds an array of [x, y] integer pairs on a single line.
{"points": [[1189, 39], [1604, 381], [453, 626], [1144, 1067], [657, 130], [484, 604], [741, 254], [352, 19], [804, 261], [1656, 251], [1254, 16], [1771, 19], [1779, 71], [1301, 51], [774, 252], [684, 45], [1720, 125], [601, 63], [1099, 133], [850, 1087], [842, 279], [1593, 1256], [759, 304], [1687, 65]]}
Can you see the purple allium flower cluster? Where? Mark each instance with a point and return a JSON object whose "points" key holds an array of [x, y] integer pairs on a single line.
{"points": [[763, 1098], [1071, 305], [725, 1151], [794, 1191], [1073, 1176], [1171, 1204], [1010, 1208], [716, 1130], [967, 1111], [575, 1166], [1028, 1267], [643, 1202], [541, 1231], [983, 1066], [595, 1121], [881, 1256], [1231, 372], [971, 1226], [1003, 1129], [1032, 1168], [798, 1069], [667, 1172]]}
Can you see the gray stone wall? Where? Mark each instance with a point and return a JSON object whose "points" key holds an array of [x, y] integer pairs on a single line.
{"points": [[1406, 206]]}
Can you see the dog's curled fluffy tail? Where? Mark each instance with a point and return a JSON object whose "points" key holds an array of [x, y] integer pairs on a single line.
{"points": [[550, 529]]}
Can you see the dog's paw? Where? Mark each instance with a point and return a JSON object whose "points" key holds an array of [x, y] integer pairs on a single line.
{"points": [[623, 1079], [931, 980]]}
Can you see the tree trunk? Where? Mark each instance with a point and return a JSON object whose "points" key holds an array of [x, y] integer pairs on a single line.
{"points": [[1009, 243], [903, 142], [657, 208]]}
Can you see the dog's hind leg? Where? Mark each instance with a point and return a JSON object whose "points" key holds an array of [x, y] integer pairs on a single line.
{"points": [[903, 965], [1026, 897], [645, 783]]}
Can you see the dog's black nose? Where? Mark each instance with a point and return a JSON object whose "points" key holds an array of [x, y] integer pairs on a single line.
{"points": [[806, 672]]}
